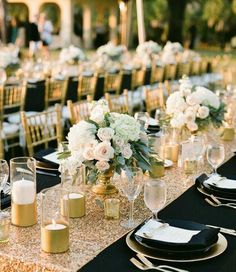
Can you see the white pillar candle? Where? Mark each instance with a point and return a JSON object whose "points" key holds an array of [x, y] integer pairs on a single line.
{"points": [[23, 192], [76, 205], [55, 226]]}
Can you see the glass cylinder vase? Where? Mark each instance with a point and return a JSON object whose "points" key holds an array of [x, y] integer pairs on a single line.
{"points": [[54, 220], [23, 191]]}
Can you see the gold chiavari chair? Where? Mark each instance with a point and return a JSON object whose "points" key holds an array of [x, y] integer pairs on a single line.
{"points": [[118, 103], [12, 98], [79, 110], [170, 71], [154, 98], [138, 78], [86, 86], [1, 144], [42, 128], [157, 74], [195, 69], [167, 87], [183, 68], [203, 66], [112, 82], [55, 92]]}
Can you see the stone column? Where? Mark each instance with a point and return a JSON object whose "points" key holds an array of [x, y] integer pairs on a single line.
{"points": [[140, 18], [66, 22], [112, 20], [87, 26]]}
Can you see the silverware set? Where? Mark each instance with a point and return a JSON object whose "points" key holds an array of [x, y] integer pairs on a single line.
{"points": [[215, 202], [145, 264]]}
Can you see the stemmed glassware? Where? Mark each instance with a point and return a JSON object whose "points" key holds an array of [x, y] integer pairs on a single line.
{"points": [[131, 185], [143, 119], [215, 156], [4, 174], [155, 195]]}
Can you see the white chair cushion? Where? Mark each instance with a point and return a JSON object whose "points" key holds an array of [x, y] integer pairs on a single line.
{"points": [[65, 112], [9, 129], [15, 117]]}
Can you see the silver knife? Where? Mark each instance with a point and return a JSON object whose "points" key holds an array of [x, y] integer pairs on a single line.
{"points": [[46, 173], [224, 230]]}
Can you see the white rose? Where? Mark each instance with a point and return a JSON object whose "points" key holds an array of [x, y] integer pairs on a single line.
{"points": [[189, 116], [178, 120], [192, 126], [103, 151], [203, 112], [192, 99], [105, 134], [88, 154], [98, 110], [102, 165], [126, 151]]}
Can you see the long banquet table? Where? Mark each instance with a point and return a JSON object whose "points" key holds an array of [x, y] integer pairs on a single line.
{"points": [[99, 245]]}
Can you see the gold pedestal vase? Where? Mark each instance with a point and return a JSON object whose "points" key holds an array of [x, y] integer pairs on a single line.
{"points": [[104, 186]]}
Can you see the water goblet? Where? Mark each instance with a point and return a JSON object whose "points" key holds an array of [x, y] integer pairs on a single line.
{"points": [[215, 156], [155, 195], [4, 174], [131, 185], [143, 119]]}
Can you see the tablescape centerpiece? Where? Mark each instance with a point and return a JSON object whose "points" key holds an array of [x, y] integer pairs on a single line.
{"points": [[112, 51], [54, 220], [9, 55], [71, 54], [194, 108], [23, 191], [108, 142]]}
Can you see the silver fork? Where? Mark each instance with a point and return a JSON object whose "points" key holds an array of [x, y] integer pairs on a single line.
{"points": [[142, 266], [219, 204], [150, 264]]}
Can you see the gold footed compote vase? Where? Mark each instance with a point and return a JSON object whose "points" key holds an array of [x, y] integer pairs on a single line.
{"points": [[104, 186]]}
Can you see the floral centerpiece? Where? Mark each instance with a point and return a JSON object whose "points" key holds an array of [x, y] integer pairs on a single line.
{"points": [[112, 51], [71, 54], [194, 108], [106, 143], [9, 55]]}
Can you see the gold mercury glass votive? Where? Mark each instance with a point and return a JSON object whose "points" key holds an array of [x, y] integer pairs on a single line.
{"points": [[170, 152], [4, 227], [54, 222], [23, 191], [157, 168], [227, 134], [112, 208], [190, 166]]}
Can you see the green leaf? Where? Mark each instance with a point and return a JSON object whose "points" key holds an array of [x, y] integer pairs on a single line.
{"points": [[121, 160]]}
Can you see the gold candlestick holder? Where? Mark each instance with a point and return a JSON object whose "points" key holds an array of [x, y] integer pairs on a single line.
{"points": [[54, 220]]}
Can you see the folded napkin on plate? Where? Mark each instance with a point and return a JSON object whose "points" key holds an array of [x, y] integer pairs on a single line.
{"points": [[52, 157], [221, 182], [166, 233]]}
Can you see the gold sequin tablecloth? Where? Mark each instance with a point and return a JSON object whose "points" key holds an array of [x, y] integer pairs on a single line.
{"points": [[88, 235]]}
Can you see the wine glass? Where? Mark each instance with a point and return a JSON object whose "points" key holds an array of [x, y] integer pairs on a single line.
{"points": [[143, 119], [215, 155], [4, 174], [131, 185], [155, 195]]}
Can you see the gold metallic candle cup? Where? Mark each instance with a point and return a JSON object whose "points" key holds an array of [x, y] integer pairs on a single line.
{"points": [[170, 152], [227, 134], [4, 227], [24, 215], [76, 204], [112, 208], [190, 166], [157, 168], [55, 237]]}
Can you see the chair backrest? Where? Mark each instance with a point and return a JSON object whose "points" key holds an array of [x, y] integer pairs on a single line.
{"points": [[86, 86], [183, 68], [12, 98], [203, 67], [42, 128], [154, 98], [118, 103], [79, 110], [55, 92], [1, 143], [167, 87], [195, 69], [157, 74], [138, 78], [170, 71], [112, 82]]}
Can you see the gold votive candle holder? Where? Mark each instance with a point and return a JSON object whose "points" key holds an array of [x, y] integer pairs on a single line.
{"points": [[170, 152], [190, 166], [112, 208], [54, 220], [23, 191], [227, 134], [157, 168], [5, 221], [76, 204]]}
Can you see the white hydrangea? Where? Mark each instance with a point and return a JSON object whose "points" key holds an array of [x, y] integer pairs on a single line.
{"points": [[175, 103], [71, 53], [126, 127], [148, 47], [207, 97], [98, 110], [178, 120]]}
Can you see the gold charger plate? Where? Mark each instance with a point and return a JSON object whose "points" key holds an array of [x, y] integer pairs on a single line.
{"points": [[202, 191], [45, 166], [215, 251]]}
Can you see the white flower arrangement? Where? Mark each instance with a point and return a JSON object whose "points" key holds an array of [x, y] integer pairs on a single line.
{"points": [[148, 48], [9, 55], [71, 54], [107, 141], [112, 51], [194, 107], [174, 47]]}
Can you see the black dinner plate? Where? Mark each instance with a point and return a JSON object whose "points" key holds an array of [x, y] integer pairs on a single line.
{"points": [[199, 243], [220, 192]]}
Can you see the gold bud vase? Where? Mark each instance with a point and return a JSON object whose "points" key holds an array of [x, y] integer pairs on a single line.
{"points": [[104, 186]]}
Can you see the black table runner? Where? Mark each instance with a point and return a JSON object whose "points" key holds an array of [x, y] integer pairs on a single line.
{"points": [[189, 206]]}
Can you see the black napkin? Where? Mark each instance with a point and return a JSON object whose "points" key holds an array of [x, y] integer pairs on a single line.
{"points": [[200, 242], [40, 154], [5, 200], [228, 169]]}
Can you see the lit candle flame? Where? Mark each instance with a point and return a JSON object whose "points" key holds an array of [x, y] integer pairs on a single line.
{"points": [[54, 222]]}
